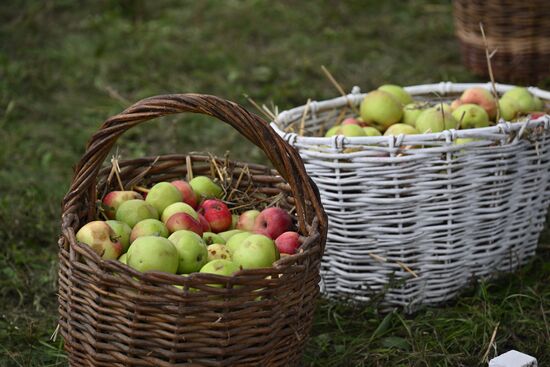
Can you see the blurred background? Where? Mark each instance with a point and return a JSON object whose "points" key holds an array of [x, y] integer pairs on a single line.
{"points": [[66, 66]]}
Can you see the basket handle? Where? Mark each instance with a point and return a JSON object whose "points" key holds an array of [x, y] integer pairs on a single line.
{"points": [[284, 157]]}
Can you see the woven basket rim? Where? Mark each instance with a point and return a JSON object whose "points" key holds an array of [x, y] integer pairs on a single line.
{"points": [[442, 88]]}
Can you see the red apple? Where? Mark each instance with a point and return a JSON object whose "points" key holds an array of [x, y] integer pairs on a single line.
{"points": [[181, 221], [288, 242], [187, 193], [217, 214], [204, 223], [112, 201], [247, 219], [272, 222], [481, 97]]}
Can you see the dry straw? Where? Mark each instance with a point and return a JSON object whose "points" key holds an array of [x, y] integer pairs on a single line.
{"points": [[418, 216], [112, 315]]}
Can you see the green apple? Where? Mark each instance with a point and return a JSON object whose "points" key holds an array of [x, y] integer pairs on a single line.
{"points": [[398, 129], [508, 108], [163, 194], [371, 131], [234, 221], [335, 130], [411, 112], [101, 238], [352, 130], [256, 251], [210, 238], [178, 208], [136, 210], [220, 267], [204, 187], [228, 234], [123, 258], [148, 227], [218, 251], [398, 92], [522, 97], [112, 201], [152, 253], [247, 219], [471, 116], [192, 251], [382, 109], [235, 240], [434, 120], [122, 233]]}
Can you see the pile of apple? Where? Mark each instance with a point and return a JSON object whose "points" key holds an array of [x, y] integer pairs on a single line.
{"points": [[392, 111], [183, 227]]}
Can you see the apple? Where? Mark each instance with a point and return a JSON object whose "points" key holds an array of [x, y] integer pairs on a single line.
{"points": [[204, 223], [204, 187], [471, 116], [411, 112], [236, 240], [446, 113], [178, 208], [288, 242], [123, 258], [148, 227], [217, 214], [188, 195], [430, 121], [335, 130], [382, 109], [234, 221], [481, 97], [112, 201], [398, 129], [101, 238], [218, 251], [210, 238], [135, 210], [461, 141], [163, 194], [153, 253], [350, 121], [256, 251], [246, 220], [397, 92], [220, 267], [122, 233], [508, 108], [371, 131], [180, 221], [522, 97], [455, 104], [272, 222], [192, 252], [352, 130], [228, 234]]}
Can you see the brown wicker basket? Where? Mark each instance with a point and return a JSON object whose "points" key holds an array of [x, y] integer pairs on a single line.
{"points": [[519, 30], [112, 315]]}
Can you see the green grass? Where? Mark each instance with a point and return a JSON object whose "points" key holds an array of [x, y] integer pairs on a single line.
{"points": [[65, 67]]}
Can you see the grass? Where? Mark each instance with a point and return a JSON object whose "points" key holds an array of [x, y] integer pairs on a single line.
{"points": [[65, 67]]}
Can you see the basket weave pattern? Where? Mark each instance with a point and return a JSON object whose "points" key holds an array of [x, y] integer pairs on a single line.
{"points": [[112, 315], [418, 216], [518, 30]]}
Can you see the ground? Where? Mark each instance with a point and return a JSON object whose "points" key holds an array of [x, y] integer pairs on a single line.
{"points": [[66, 66]]}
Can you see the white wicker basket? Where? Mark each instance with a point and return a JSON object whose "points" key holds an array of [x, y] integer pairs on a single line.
{"points": [[417, 217]]}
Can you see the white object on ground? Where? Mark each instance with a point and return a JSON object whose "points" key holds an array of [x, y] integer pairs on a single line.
{"points": [[513, 358]]}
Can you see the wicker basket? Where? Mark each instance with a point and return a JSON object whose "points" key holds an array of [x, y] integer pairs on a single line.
{"points": [[417, 216], [519, 30], [112, 315]]}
